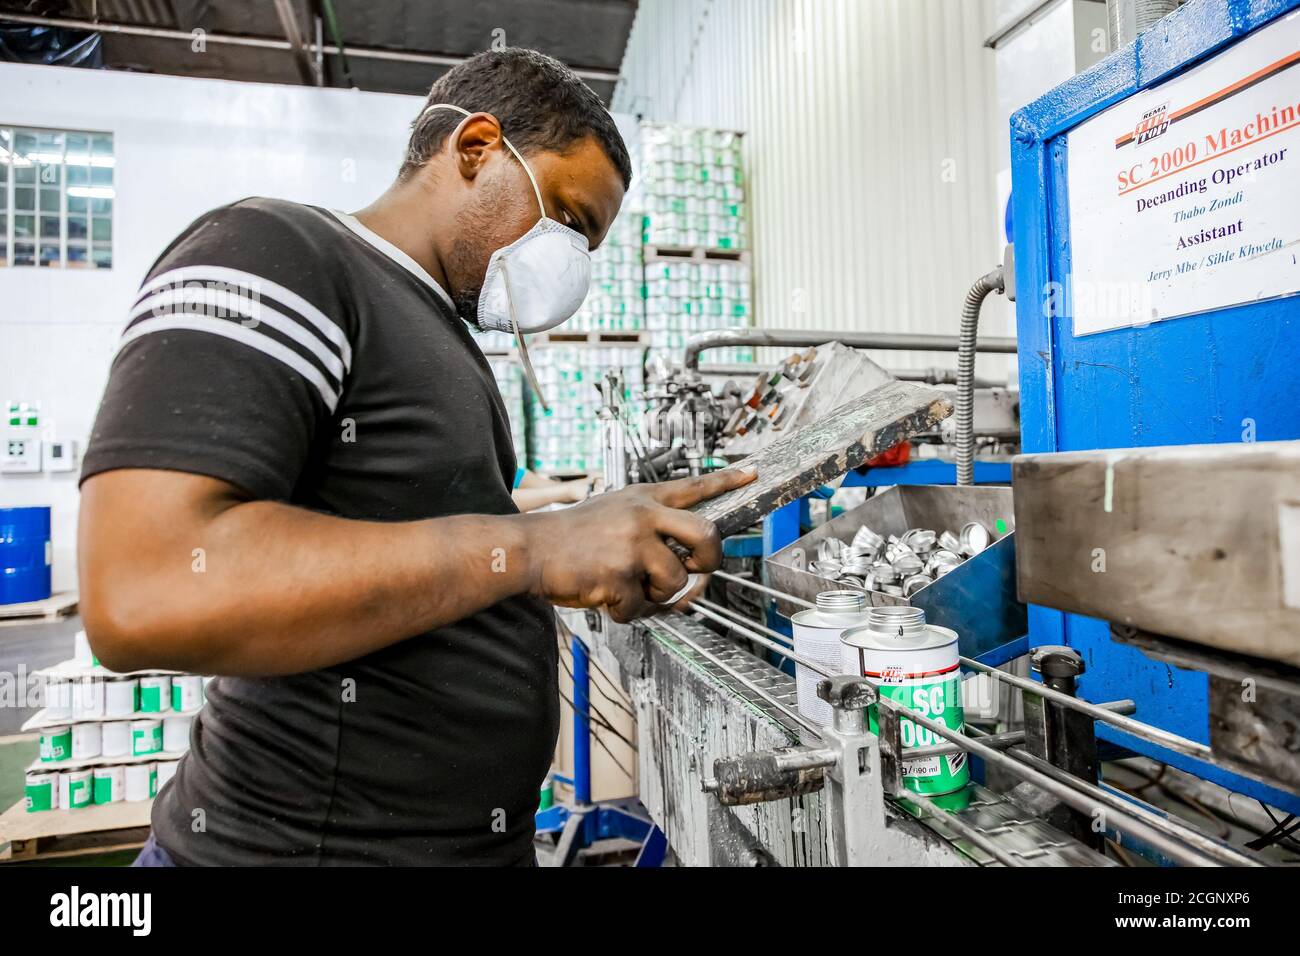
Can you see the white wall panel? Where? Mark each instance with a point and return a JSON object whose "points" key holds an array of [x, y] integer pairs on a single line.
{"points": [[870, 150], [183, 146]]}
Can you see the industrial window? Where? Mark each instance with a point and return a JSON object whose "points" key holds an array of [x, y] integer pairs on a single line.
{"points": [[56, 198]]}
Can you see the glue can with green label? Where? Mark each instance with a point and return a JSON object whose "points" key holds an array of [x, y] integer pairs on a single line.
{"points": [[187, 692], [108, 784], [155, 693], [42, 791], [146, 737], [917, 665], [55, 743], [75, 785]]}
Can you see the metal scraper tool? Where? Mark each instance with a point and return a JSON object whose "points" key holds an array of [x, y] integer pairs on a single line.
{"points": [[848, 437]]}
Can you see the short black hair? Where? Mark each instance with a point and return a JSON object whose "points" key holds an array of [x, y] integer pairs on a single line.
{"points": [[540, 103]]}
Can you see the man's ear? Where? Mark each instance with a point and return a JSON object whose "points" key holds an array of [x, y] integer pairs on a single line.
{"points": [[474, 141]]}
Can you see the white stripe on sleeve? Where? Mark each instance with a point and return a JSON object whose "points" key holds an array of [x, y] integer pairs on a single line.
{"points": [[168, 299], [197, 322], [326, 326]]}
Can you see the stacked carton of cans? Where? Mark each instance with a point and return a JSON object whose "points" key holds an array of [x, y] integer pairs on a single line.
{"points": [[566, 437], [106, 737], [510, 380], [616, 300], [694, 198], [685, 297], [694, 193]]}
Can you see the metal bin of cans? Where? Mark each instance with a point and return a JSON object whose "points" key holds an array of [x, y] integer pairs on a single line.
{"points": [[976, 597]]}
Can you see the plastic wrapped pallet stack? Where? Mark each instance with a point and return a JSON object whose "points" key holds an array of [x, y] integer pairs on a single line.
{"points": [[694, 187], [566, 438], [687, 297], [510, 380], [697, 275], [616, 300]]}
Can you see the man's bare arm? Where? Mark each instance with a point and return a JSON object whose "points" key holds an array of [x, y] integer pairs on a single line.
{"points": [[182, 571]]}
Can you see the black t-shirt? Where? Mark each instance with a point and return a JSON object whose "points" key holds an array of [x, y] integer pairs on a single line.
{"points": [[294, 353]]}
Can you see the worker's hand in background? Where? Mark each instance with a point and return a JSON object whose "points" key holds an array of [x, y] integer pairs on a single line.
{"points": [[611, 550], [579, 490]]}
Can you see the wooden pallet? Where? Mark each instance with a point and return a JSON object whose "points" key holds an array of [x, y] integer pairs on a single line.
{"points": [[53, 608], [694, 254], [578, 337], [49, 834], [582, 339]]}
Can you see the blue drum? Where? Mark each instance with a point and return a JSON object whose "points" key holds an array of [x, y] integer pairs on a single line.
{"points": [[24, 555]]}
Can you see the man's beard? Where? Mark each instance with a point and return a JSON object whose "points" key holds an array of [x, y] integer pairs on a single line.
{"points": [[461, 266], [471, 252], [466, 302]]}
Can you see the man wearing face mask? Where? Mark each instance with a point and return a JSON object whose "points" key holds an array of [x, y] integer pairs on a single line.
{"points": [[300, 477]]}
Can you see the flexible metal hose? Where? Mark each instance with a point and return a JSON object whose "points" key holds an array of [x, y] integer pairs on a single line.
{"points": [[970, 321]]}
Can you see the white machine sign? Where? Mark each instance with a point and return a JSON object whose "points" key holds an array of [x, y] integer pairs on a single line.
{"points": [[1186, 198]]}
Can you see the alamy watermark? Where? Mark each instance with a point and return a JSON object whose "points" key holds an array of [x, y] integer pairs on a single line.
{"points": [[211, 299]]}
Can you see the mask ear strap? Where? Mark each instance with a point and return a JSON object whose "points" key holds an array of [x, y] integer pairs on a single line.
{"points": [[531, 178], [519, 340], [509, 145]]}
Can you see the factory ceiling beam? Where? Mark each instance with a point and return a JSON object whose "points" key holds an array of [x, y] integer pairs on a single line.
{"points": [[267, 43]]}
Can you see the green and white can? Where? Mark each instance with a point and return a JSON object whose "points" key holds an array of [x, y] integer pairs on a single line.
{"points": [[155, 694], [87, 741], [41, 791], [164, 770], [55, 743], [58, 700], [116, 738], [88, 699], [917, 665], [75, 789], [146, 737], [817, 632], [120, 696], [187, 692], [109, 784], [176, 733], [140, 780]]}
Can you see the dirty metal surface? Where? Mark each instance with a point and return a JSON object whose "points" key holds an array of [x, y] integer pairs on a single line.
{"points": [[821, 451], [842, 374], [1176, 561], [690, 712]]}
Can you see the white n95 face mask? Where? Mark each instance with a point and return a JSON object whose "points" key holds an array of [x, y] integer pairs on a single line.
{"points": [[538, 281]]}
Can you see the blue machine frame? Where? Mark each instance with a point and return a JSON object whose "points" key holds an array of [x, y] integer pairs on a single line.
{"points": [[1182, 381], [589, 821]]}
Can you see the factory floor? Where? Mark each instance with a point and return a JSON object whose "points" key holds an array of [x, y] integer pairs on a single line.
{"points": [[24, 648]]}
